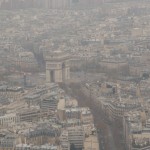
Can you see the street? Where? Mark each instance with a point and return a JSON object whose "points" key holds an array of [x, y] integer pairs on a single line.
{"points": [[108, 139]]}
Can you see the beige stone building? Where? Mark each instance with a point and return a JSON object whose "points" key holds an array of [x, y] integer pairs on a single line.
{"points": [[57, 67]]}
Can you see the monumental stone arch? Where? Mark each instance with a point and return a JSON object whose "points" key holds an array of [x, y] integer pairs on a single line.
{"points": [[57, 67]]}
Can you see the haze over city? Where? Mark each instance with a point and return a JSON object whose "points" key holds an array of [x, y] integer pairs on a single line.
{"points": [[74, 75]]}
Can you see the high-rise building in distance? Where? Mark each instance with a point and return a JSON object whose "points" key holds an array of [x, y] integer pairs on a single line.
{"points": [[46, 4]]}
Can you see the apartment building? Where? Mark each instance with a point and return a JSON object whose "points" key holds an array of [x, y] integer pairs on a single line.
{"points": [[65, 145], [7, 141], [29, 114], [49, 102], [76, 137], [8, 119], [136, 130]]}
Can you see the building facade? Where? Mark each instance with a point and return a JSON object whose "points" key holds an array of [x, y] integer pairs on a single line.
{"points": [[76, 137]]}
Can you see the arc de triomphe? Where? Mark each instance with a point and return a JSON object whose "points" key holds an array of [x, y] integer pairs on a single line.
{"points": [[57, 67]]}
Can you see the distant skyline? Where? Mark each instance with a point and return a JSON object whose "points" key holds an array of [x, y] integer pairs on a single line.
{"points": [[47, 4]]}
